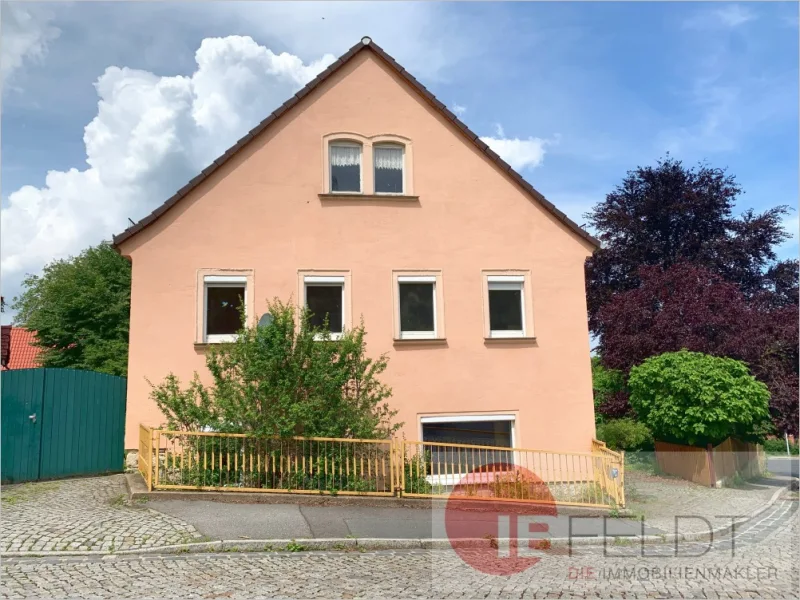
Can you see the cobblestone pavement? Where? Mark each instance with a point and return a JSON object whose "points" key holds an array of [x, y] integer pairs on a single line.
{"points": [[83, 514], [762, 565], [658, 497]]}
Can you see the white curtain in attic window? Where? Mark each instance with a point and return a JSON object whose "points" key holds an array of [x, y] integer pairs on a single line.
{"points": [[345, 156], [389, 157]]}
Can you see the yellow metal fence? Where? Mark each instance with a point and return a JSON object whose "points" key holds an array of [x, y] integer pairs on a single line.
{"points": [[239, 462], [479, 472], [146, 455], [244, 463]]}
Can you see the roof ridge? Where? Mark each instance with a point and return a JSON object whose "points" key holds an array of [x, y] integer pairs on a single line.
{"points": [[363, 44]]}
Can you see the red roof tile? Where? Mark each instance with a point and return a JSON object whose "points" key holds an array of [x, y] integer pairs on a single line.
{"points": [[23, 352]]}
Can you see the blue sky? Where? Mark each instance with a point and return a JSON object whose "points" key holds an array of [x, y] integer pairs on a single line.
{"points": [[574, 94]]}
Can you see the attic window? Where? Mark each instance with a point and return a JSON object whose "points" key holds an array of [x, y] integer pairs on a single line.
{"points": [[388, 169], [345, 164]]}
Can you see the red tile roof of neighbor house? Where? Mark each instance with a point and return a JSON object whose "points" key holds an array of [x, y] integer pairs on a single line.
{"points": [[366, 43], [22, 353]]}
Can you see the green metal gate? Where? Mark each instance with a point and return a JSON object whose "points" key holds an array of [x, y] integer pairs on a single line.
{"points": [[61, 423]]}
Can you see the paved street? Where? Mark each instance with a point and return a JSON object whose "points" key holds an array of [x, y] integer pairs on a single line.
{"points": [[83, 514], [763, 564], [784, 466]]}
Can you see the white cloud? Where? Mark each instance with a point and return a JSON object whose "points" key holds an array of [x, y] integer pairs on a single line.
{"points": [[425, 37], [151, 134], [459, 110], [26, 32], [734, 15], [727, 17], [519, 153]]}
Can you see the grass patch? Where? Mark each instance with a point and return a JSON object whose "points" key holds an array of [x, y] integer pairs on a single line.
{"points": [[623, 541], [25, 492], [118, 500], [295, 547], [642, 462]]}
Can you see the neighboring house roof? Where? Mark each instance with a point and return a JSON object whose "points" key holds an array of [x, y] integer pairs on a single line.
{"points": [[21, 352], [365, 44], [5, 344]]}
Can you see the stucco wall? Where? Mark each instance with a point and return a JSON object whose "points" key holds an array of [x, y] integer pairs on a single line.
{"points": [[261, 211]]}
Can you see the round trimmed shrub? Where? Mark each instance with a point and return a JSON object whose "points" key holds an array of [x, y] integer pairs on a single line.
{"points": [[694, 398]]}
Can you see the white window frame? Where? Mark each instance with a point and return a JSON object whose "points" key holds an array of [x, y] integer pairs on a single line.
{"points": [[451, 479], [346, 144], [384, 145], [221, 281], [327, 281], [506, 282], [417, 335]]}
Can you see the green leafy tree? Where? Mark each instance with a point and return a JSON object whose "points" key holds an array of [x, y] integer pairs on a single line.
{"points": [[694, 398], [80, 311], [285, 379]]}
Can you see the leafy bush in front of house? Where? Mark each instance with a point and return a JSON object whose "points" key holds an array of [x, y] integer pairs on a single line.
{"points": [[694, 398], [625, 434], [286, 379], [187, 409]]}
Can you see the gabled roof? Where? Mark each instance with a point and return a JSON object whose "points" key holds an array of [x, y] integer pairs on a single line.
{"points": [[366, 44]]}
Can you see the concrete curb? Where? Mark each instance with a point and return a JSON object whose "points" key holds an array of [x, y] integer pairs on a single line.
{"points": [[342, 544], [137, 492]]}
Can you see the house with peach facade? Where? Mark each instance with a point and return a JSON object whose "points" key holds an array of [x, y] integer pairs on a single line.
{"points": [[363, 196]]}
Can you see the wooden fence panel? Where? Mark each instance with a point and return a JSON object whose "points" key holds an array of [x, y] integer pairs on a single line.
{"points": [[687, 462], [711, 466]]}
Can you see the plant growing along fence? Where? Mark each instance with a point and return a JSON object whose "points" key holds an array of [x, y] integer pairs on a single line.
{"points": [[246, 463], [238, 462]]}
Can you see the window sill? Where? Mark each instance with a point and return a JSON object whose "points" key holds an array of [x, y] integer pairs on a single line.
{"points": [[368, 197], [419, 341], [503, 341], [334, 337]]}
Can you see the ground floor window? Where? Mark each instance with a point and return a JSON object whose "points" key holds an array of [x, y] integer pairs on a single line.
{"points": [[478, 433], [447, 464]]}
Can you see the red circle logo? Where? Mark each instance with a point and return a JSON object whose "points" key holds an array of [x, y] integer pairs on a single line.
{"points": [[494, 518]]}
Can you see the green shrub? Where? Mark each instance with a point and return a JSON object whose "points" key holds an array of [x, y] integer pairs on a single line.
{"points": [[625, 434], [778, 446], [694, 398], [286, 379]]}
